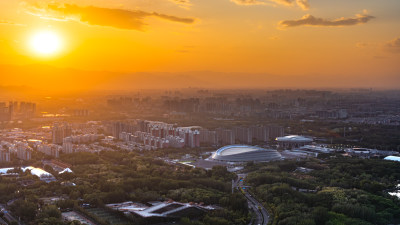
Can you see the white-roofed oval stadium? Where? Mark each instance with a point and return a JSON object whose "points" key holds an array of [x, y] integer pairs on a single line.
{"points": [[245, 153]]}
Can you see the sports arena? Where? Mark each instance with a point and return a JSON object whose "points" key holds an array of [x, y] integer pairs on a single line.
{"points": [[293, 141], [245, 153]]}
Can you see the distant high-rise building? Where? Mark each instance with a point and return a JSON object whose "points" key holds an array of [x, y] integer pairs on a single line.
{"points": [[5, 156], [275, 131], [260, 133], [50, 149], [4, 112], [225, 136], [67, 148], [196, 139], [11, 110], [175, 141], [81, 112], [24, 152], [208, 137], [60, 132], [116, 129], [243, 135]]}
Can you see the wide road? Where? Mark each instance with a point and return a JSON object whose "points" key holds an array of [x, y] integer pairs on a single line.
{"points": [[262, 216]]}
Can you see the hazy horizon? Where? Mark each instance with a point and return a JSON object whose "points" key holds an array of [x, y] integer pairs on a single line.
{"points": [[69, 79]]}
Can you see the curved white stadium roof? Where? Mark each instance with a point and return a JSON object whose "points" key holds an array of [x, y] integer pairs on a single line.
{"points": [[244, 153], [393, 158], [294, 138]]}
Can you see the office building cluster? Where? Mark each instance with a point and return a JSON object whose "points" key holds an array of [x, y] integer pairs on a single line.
{"points": [[120, 102], [50, 149], [17, 110], [82, 138], [81, 112], [24, 151], [242, 135], [214, 105], [5, 155], [21, 144], [18, 149], [70, 143], [154, 134], [332, 114]]}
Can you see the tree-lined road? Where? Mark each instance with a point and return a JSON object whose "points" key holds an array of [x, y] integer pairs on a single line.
{"points": [[262, 216]]}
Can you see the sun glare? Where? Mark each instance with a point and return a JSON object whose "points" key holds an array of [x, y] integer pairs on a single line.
{"points": [[45, 43]]}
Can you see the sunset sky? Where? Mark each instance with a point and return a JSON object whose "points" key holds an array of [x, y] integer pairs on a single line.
{"points": [[317, 42]]}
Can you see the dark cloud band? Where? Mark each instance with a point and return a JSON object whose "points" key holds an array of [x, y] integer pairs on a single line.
{"points": [[309, 20]]}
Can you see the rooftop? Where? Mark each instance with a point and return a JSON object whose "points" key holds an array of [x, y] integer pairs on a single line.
{"points": [[165, 209], [393, 158], [236, 149], [245, 153], [294, 138]]}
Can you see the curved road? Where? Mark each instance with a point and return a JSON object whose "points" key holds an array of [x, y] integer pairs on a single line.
{"points": [[262, 216]]}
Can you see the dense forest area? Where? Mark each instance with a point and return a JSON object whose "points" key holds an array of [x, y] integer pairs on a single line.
{"points": [[112, 177], [330, 191]]}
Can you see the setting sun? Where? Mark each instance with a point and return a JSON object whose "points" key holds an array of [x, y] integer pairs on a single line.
{"points": [[45, 42]]}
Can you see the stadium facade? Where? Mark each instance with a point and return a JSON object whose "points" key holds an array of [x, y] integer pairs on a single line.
{"points": [[293, 141], [245, 153]]}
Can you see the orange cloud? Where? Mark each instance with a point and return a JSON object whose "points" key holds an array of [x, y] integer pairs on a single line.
{"points": [[248, 2], [303, 4], [309, 20], [182, 3], [393, 45], [5, 22], [118, 18]]}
